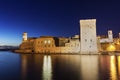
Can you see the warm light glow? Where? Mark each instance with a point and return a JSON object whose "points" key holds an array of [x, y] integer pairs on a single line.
{"points": [[113, 68], [89, 67], [45, 41], [49, 42], [111, 47], [24, 67], [118, 65], [118, 43], [47, 68]]}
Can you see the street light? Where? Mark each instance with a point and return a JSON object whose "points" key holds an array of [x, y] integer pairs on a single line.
{"points": [[111, 47]]}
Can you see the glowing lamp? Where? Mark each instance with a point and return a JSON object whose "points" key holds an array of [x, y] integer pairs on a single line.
{"points": [[111, 47]]}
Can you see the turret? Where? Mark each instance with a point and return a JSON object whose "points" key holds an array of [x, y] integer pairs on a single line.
{"points": [[110, 35], [119, 35], [24, 36]]}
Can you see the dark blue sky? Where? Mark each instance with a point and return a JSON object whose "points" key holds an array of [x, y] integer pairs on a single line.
{"points": [[55, 18]]}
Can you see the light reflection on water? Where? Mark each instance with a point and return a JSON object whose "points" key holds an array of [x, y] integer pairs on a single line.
{"points": [[118, 66], [58, 67], [24, 67], [113, 68], [47, 69], [89, 67]]}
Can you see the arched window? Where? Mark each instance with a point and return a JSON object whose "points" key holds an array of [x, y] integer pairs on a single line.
{"points": [[49, 41], [45, 41]]}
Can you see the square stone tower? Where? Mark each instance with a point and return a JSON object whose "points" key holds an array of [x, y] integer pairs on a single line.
{"points": [[88, 36]]}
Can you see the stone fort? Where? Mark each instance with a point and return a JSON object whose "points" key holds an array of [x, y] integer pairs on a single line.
{"points": [[85, 43]]}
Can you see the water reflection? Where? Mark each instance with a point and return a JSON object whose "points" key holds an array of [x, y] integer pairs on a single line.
{"points": [[69, 67], [58, 67], [24, 67], [47, 68], [113, 68], [119, 66], [31, 67], [89, 67], [66, 67], [9, 66]]}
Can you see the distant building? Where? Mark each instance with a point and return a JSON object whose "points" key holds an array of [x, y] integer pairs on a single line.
{"points": [[27, 45], [49, 44], [107, 39], [62, 41], [73, 42], [44, 44]]}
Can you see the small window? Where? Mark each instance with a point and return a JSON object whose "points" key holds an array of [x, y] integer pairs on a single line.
{"points": [[85, 40], [49, 41], [48, 45], [91, 40], [109, 32], [45, 41]]}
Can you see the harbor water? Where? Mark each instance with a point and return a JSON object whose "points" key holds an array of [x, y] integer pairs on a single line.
{"points": [[14, 66]]}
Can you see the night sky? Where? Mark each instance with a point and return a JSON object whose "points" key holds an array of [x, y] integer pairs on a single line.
{"points": [[54, 17]]}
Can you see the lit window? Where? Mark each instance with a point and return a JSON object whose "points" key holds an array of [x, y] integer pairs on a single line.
{"points": [[111, 47], [48, 41], [45, 41], [91, 40]]}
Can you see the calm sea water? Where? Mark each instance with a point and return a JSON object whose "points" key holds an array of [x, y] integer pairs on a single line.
{"points": [[58, 67]]}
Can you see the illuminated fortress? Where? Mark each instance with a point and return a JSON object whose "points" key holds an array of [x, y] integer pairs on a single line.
{"points": [[85, 43]]}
